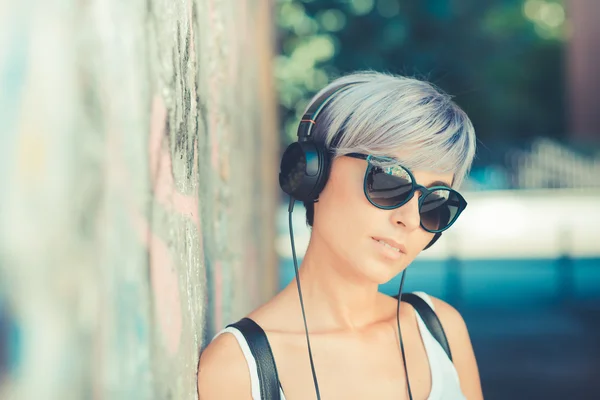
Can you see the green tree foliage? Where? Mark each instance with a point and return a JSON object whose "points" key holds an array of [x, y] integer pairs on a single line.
{"points": [[502, 59]]}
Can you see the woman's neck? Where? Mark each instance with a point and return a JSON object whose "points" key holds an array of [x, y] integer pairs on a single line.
{"points": [[336, 296]]}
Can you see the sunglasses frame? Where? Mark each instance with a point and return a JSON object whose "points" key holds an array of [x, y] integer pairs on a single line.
{"points": [[462, 203]]}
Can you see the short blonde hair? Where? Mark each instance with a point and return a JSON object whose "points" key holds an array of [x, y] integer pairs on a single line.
{"points": [[384, 114]]}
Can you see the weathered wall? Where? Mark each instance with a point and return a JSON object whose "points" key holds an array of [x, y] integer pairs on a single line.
{"points": [[137, 161]]}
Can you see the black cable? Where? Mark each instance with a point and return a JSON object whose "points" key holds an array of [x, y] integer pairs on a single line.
{"points": [[312, 365], [400, 334]]}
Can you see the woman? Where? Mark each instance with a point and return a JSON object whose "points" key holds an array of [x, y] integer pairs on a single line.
{"points": [[380, 130]]}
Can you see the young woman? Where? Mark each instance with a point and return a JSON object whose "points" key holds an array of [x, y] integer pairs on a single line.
{"points": [[398, 150]]}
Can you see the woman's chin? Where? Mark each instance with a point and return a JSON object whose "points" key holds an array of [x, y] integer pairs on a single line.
{"points": [[382, 272]]}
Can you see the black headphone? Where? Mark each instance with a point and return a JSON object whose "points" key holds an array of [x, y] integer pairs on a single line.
{"points": [[305, 164]]}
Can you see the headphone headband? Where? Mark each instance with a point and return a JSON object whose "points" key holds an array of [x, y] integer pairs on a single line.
{"points": [[309, 119]]}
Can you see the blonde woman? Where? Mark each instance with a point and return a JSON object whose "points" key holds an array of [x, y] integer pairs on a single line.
{"points": [[377, 164]]}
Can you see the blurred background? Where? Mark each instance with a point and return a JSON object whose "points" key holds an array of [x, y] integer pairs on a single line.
{"points": [[523, 263], [140, 211]]}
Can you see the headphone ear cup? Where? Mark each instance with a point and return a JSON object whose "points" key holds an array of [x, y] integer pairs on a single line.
{"points": [[304, 170]]}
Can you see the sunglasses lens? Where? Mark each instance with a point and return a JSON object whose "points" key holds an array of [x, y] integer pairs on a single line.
{"points": [[439, 209], [388, 186]]}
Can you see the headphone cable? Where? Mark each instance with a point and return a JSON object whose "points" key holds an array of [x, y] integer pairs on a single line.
{"points": [[312, 365], [400, 333]]}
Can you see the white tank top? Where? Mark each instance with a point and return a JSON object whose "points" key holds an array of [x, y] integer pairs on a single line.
{"points": [[444, 378]]}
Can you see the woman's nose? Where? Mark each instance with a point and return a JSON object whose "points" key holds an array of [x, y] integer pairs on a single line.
{"points": [[408, 213]]}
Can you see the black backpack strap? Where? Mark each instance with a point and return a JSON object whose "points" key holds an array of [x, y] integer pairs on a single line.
{"points": [[430, 319], [261, 350]]}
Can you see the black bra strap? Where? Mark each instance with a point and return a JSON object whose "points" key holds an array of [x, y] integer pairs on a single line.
{"points": [[430, 319], [265, 362]]}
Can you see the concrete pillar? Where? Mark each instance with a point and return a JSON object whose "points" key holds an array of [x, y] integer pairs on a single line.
{"points": [[138, 165]]}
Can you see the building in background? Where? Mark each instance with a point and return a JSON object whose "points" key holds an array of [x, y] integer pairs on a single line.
{"points": [[583, 66]]}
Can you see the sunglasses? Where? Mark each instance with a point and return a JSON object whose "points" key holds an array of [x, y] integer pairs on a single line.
{"points": [[389, 185]]}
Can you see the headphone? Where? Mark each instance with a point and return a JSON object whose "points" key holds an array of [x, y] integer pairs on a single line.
{"points": [[305, 164]]}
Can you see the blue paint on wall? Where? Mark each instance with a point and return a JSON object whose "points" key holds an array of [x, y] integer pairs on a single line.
{"points": [[10, 341]]}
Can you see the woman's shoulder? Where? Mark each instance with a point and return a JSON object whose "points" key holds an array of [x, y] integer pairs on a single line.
{"points": [[460, 344], [278, 314], [222, 370], [451, 319]]}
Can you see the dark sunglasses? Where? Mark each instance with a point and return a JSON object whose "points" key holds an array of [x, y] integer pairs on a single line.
{"points": [[389, 185]]}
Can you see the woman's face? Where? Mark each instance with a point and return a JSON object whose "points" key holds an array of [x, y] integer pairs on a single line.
{"points": [[351, 226]]}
